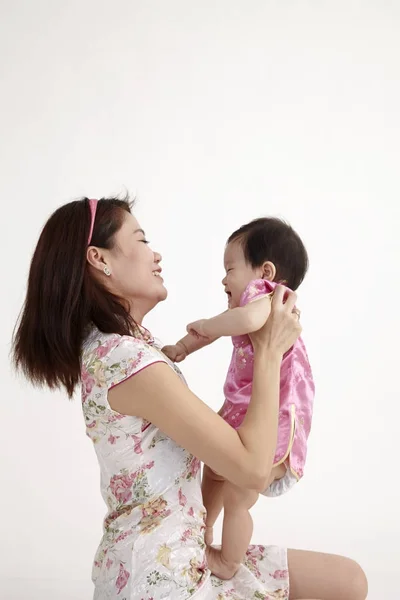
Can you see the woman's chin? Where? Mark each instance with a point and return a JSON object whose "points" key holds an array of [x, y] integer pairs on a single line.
{"points": [[162, 294]]}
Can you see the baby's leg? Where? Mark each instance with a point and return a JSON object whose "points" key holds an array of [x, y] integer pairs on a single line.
{"points": [[237, 528], [277, 473], [212, 489], [281, 481], [238, 524]]}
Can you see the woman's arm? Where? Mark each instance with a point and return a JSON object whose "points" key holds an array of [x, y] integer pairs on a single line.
{"points": [[244, 457], [158, 395]]}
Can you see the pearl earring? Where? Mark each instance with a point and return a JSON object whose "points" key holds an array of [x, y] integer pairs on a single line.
{"points": [[107, 271]]}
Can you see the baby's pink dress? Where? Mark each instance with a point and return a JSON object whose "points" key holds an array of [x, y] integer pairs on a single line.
{"points": [[296, 396]]}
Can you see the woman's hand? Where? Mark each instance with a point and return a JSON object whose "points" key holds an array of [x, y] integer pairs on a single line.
{"points": [[282, 327]]}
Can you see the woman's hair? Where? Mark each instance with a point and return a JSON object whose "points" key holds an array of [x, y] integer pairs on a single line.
{"points": [[271, 239], [63, 298]]}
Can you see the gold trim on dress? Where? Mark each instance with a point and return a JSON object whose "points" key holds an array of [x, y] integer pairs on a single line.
{"points": [[290, 445]]}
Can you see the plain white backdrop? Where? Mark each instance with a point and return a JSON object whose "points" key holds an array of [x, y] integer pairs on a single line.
{"points": [[212, 113]]}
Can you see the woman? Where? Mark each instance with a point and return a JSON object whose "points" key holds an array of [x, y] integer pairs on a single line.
{"points": [[93, 278]]}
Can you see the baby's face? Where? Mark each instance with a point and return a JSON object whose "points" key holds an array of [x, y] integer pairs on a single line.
{"points": [[238, 273]]}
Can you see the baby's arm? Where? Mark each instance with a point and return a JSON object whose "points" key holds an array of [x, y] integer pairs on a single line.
{"points": [[192, 343], [236, 321], [185, 346]]}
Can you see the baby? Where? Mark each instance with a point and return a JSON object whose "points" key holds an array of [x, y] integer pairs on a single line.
{"points": [[259, 255]]}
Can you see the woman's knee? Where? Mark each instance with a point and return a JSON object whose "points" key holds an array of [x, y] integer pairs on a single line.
{"points": [[357, 581], [353, 581], [325, 576]]}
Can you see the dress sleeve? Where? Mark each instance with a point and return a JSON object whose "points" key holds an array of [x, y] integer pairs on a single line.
{"points": [[128, 358], [258, 288]]}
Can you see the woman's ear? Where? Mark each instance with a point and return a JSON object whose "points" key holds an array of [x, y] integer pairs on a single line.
{"points": [[268, 271], [95, 258]]}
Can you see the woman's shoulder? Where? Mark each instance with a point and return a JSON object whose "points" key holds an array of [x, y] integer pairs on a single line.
{"points": [[102, 345], [116, 356]]}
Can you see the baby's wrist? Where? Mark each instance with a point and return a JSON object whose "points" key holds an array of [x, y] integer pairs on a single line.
{"points": [[182, 348]]}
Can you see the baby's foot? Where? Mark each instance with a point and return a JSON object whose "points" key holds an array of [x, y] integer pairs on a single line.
{"points": [[208, 536], [218, 566]]}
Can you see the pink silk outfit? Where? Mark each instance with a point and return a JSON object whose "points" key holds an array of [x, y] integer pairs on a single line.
{"points": [[296, 396]]}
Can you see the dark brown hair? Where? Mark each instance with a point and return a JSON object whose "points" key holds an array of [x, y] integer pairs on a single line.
{"points": [[272, 239], [63, 298]]}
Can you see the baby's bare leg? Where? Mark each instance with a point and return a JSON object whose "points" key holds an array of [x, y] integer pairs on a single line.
{"points": [[212, 489], [277, 473], [237, 528], [238, 525]]}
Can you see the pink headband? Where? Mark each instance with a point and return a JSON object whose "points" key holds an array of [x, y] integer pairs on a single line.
{"points": [[93, 208]]}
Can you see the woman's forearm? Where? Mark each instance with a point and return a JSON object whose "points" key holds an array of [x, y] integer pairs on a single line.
{"points": [[259, 429]]}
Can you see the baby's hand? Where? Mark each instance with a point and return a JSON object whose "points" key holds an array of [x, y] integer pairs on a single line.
{"points": [[176, 353], [197, 328]]}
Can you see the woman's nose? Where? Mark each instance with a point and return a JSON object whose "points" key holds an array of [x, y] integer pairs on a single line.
{"points": [[157, 257]]}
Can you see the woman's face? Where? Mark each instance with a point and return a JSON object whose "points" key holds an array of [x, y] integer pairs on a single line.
{"points": [[135, 269]]}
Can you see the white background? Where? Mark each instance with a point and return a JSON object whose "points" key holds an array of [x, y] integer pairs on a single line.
{"points": [[212, 113]]}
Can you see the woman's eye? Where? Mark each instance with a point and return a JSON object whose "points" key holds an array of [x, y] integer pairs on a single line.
{"points": [[145, 241]]}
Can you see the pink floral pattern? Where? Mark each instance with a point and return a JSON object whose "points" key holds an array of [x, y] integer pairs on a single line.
{"points": [[122, 578], [153, 539], [121, 487], [280, 574], [182, 498]]}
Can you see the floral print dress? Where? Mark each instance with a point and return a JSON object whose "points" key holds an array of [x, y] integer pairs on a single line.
{"points": [[153, 536]]}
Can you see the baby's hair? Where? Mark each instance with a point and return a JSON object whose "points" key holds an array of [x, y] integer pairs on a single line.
{"points": [[272, 239]]}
